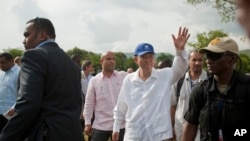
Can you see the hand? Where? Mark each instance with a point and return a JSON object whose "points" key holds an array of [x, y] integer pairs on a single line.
{"points": [[88, 130], [115, 136], [11, 112], [181, 39], [81, 117]]}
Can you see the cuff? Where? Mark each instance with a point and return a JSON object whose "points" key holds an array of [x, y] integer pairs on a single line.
{"points": [[116, 127], [181, 53], [87, 121]]}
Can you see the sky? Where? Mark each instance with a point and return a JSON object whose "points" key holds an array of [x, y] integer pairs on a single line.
{"points": [[112, 25]]}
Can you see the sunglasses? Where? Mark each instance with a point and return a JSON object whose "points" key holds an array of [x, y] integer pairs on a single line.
{"points": [[216, 56]]}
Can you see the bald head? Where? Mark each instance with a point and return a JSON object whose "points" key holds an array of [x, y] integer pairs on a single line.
{"points": [[105, 54], [108, 61]]}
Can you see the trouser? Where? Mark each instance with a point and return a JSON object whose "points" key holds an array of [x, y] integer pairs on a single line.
{"points": [[100, 135], [3, 122]]}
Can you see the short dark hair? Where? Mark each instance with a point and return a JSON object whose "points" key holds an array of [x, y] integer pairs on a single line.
{"points": [[195, 51], [7, 56], [86, 64], [44, 24]]}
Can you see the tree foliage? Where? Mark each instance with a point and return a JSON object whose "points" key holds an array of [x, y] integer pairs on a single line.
{"points": [[77, 51], [130, 63], [86, 55], [120, 60], [164, 56], [225, 8], [14, 51], [204, 38], [243, 65]]}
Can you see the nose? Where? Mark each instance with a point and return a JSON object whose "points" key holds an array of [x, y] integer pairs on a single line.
{"points": [[24, 42], [197, 62], [112, 60]]}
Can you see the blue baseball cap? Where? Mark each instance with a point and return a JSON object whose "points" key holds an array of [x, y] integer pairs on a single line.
{"points": [[144, 48]]}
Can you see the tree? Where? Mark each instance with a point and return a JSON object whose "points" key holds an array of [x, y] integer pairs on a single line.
{"points": [[164, 56], [77, 51], [95, 59], [225, 8], [204, 38], [243, 65], [120, 60], [86, 55], [14, 51], [130, 63]]}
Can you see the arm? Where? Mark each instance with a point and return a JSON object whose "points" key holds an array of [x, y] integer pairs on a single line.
{"points": [[29, 102], [196, 103], [120, 110], [173, 106], [189, 131], [180, 61], [89, 106]]}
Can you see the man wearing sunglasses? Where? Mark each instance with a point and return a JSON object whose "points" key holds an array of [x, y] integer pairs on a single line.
{"points": [[220, 104]]}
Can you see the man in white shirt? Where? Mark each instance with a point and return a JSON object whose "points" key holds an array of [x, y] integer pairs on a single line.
{"points": [[144, 99], [180, 94]]}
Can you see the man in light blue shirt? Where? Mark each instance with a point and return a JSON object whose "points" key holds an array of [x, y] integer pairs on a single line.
{"points": [[8, 86]]}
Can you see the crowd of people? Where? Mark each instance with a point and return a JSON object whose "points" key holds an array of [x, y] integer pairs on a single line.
{"points": [[45, 95]]}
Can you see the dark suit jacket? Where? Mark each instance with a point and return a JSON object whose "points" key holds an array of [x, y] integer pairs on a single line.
{"points": [[49, 105]]}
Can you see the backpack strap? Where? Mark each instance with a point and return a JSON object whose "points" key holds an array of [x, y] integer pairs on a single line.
{"points": [[178, 90]]}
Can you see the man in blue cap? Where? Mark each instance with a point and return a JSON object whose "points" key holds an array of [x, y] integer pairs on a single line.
{"points": [[144, 99]]}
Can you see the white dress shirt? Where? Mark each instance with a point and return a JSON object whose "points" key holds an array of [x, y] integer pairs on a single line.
{"points": [[145, 105]]}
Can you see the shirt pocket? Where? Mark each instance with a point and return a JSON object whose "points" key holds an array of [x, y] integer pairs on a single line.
{"points": [[101, 99], [134, 131]]}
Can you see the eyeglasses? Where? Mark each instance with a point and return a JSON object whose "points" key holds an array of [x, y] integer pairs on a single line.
{"points": [[216, 56]]}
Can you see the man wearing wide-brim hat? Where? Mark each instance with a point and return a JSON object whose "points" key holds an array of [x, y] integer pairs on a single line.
{"points": [[219, 104]]}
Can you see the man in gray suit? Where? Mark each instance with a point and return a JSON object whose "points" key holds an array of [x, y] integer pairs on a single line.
{"points": [[49, 105]]}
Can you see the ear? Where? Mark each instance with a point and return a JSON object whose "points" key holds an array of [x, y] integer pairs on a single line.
{"points": [[43, 35], [136, 60]]}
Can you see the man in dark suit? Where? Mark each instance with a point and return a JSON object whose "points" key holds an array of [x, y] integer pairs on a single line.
{"points": [[49, 104]]}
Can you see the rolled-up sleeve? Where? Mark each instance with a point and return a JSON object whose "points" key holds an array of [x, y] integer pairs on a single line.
{"points": [[173, 95], [179, 66]]}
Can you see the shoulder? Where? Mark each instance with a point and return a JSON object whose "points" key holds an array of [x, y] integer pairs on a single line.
{"points": [[120, 73], [96, 77], [199, 91], [16, 68], [37, 52], [244, 78], [164, 72]]}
